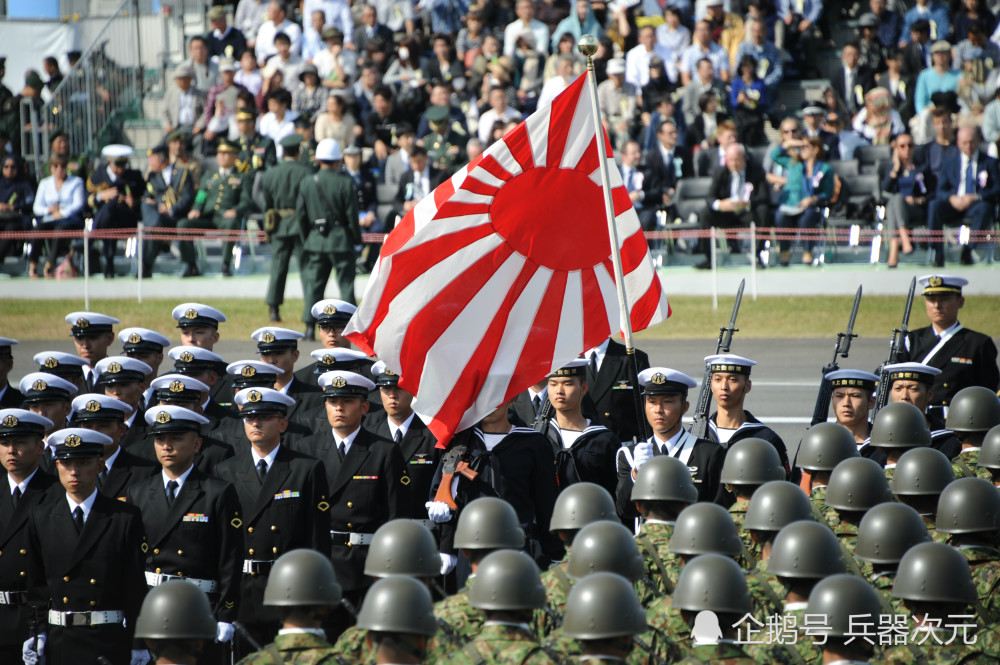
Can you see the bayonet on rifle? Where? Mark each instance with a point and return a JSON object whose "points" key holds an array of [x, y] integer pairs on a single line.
{"points": [[842, 349], [895, 350], [700, 426]]}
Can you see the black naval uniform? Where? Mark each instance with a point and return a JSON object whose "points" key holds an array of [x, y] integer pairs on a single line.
{"points": [[212, 452], [752, 428], [15, 615], [198, 537], [286, 512], [420, 459], [177, 196], [968, 358], [702, 457], [99, 569], [611, 391], [127, 470], [590, 459], [12, 398], [114, 214]]}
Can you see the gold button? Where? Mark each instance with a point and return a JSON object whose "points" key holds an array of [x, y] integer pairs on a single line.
{"points": [[24, 552], [93, 581], [350, 505], [274, 527], [23, 573], [250, 550], [156, 550], [253, 574], [350, 544], [65, 599], [66, 579], [158, 571], [180, 552], [274, 550], [607, 415], [93, 603], [349, 525], [180, 574], [249, 529]]}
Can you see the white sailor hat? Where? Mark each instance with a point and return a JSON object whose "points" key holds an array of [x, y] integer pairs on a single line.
{"points": [[142, 340], [911, 372], [42, 386], [263, 400], [89, 323], [384, 377], [178, 387], [576, 367], [349, 360], [196, 314], [22, 421], [121, 369], [94, 406], [332, 311], [64, 365], [727, 362], [253, 373], [5, 344], [339, 383], [934, 284], [116, 152], [665, 381], [78, 443], [271, 339], [173, 419], [195, 359], [852, 378]]}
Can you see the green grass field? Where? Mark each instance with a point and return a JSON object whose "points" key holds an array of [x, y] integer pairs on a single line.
{"points": [[693, 317]]}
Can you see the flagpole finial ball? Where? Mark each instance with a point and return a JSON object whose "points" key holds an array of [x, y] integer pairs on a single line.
{"points": [[587, 45]]}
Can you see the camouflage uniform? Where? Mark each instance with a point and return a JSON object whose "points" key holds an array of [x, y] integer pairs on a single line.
{"points": [[883, 584], [889, 471], [931, 523], [463, 620], [985, 565], [557, 588], [352, 647], [738, 511], [654, 544], [723, 653], [847, 534], [502, 645], [983, 652], [818, 497], [660, 648], [966, 464], [766, 592], [296, 649]]}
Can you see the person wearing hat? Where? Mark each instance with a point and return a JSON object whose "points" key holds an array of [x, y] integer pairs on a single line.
{"points": [[397, 422], [445, 141], [92, 334], [968, 188], [145, 345], [85, 560], [184, 103], [284, 500], [223, 199], [939, 77], [168, 198], [192, 520], [364, 181], [617, 99], [397, 164], [304, 128], [220, 104], [367, 479], [198, 324], [327, 215], [10, 397], [176, 624], [812, 119], [665, 399], [21, 449], [913, 383], [963, 356], [49, 396], [209, 368], [851, 399], [178, 149], [279, 189], [126, 379], [256, 151], [308, 96], [107, 415], [331, 316], [115, 195], [224, 41], [278, 347]]}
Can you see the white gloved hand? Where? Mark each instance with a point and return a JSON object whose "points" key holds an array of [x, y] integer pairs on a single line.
{"points": [[33, 654], [224, 631], [642, 453], [438, 511], [139, 657], [448, 562]]}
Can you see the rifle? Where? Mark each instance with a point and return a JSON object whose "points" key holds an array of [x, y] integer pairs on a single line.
{"points": [[700, 427], [242, 630], [544, 415], [895, 347], [842, 348]]}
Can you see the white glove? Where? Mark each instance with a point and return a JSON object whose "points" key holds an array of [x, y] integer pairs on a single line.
{"points": [[642, 453], [438, 511], [139, 657], [448, 562], [224, 631], [32, 654]]}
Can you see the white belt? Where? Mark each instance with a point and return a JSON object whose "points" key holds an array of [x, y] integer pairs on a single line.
{"points": [[57, 618], [156, 579], [255, 566], [353, 538], [13, 597]]}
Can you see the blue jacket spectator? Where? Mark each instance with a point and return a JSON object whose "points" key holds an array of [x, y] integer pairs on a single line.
{"points": [[767, 55], [931, 11], [446, 15], [939, 78]]}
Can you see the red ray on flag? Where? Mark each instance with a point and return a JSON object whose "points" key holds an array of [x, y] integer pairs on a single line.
{"points": [[504, 273]]}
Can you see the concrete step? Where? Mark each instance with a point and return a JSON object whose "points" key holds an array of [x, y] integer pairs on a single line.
{"points": [[152, 107], [143, 135]]}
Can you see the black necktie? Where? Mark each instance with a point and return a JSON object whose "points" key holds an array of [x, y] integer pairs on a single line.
{"points": [[78, 518], [172, 490], [593, 362], [15, 498], [398, 436], [536, 402], [341, 450], [261, 471]]}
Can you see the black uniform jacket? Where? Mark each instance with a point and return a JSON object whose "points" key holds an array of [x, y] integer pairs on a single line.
{"points": [[752, 428], [968, 358], [420, 459], [590, 459], [127, 470], [611, 392]]}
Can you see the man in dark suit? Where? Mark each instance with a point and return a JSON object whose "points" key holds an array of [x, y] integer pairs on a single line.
{"points": [[930, 157], [85, 561], [191, 521], [209, 368], [122, 469], [21, 449], [916, 54], [418, 182], [851, 81], [115, 194], [168, 198], [124, 379], [283, 504], [610, 390], [370, 29], [224, 41], [364, 181], [713, 159], [965, 357], [417, 445], [666, 163], [366, 477], [968, 188], [10, 397], [737, 195], [665, 393]]}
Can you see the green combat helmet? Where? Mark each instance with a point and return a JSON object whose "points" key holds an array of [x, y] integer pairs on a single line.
{"points": [[712, 582], [398, 604], [825, 445], [507, 580], [488, 523], [806, 550], [403, 547], [900, 425], [887, 532], [921, 472], [839, 598], [706, 528], [580, 504], [751, 461], [603, 606], [934, 573], [968, 505], [175, 610], [605, 547], [856, 485], [777, 504], [663, 478], [973, 409]]}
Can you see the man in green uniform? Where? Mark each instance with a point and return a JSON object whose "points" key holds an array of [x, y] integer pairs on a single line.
{"points": [[307, 149], [974, 411], [397, 614], [256, 151], [446, 142], [280, 189], [221, 202], [327, 214]]}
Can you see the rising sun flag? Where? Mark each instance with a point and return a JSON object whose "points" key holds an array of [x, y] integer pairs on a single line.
{"points": [[504, 273]]}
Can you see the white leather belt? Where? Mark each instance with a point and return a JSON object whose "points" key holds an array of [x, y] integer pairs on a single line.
{"points": [[13, 597], [156, 579], [57, 618], [350, 538], [256, 567]]}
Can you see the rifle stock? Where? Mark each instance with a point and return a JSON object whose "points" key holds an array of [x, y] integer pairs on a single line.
{"points": [[842, 348], [242, 630], [895, 349], [700, 426]]}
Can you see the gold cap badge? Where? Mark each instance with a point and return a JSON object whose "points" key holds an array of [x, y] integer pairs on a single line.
{"points": [[254, 396], [10, 421], [186, 357], [658, 379], [93, 405], [935, 281], [329, 359], [134, 338], [249, 371], [82, 323], [163, 417], [114, 368], [267, 337], [51, 362], [338, 382], [190, 313], [39, 385], [330, 309], [176, 386], [72, 441]]}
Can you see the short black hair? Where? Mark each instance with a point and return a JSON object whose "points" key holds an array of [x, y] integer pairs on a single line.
{"points": [[384, 92], [418, 151], [282, 37]]}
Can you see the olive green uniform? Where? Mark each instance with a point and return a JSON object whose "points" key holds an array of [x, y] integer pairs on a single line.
{"points": [[331, 196], [216, 195], [256, 152], [497, 644], [447, 152], [966, 465], [298, 648], [280, 189]]}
